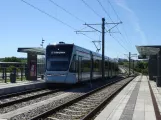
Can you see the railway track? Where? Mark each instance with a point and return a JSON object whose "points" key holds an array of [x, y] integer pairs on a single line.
{"points": [[20, 93], [7, 101], [85, 105], [13, 99]]}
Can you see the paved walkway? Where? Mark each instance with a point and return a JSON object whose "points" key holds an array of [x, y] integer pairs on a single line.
{"points": [[134, 102], [157, 94], [18, 83], [7, 88]]}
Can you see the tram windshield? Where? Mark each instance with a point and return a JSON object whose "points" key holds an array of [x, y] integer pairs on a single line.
{"points": [[58, 57], [57, 65]]}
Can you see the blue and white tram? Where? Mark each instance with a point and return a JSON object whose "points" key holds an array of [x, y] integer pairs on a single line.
{"points": [[70, 64]]}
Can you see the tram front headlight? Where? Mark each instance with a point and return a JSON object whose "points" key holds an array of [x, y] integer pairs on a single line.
{"points": [[48, 75]]}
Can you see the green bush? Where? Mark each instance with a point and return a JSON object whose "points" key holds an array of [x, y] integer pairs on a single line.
{"points": [[145, 71], [11, 68]]}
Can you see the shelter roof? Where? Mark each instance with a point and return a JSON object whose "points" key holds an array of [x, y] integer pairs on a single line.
{"points": [[35, 50], [148, 50]]}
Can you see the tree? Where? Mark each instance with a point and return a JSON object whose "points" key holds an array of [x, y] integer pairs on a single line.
{"points": [[142, 67], [11, 59]]}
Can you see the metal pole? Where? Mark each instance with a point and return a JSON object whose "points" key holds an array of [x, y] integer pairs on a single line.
{"points": [[111, 70], [114, 69], [21, 73], [129, 61], [103, 40], [5, 75], [91, 77], [158, 80], [108, 67], [133, 66]]}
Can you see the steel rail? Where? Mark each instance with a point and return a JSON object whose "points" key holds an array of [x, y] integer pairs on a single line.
{"points": [[102, 104], [51, 111], [32, 96], [28, 98], [20, 93]]}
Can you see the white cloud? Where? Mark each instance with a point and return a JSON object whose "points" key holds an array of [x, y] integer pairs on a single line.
{"points": [[134, 20]]}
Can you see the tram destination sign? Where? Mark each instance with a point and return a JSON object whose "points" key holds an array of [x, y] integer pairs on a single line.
{"points": [[58, 52]]}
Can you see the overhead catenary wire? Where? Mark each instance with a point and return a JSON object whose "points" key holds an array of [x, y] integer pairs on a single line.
{"points": [[100, 16], [91, 8], [114, 10], [104, 9], [119, 43], [87, 36], [51, 16], [71, 14], [119, 19], [110, 18]]}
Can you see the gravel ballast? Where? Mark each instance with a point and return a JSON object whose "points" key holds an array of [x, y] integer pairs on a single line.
{"points": [[78, 92]]}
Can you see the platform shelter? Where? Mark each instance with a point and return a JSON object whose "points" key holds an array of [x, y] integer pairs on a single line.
{"points": [[153, 54], [35, 61]]}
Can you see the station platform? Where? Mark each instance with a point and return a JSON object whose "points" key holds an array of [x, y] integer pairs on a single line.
{"points": [[135, 102], [8, 88]]}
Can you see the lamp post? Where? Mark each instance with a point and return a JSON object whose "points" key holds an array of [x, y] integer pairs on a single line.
{"points": [[42, 42], [129, 57]]}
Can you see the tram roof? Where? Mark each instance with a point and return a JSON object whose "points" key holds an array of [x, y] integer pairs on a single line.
{"points": [[87, 50], [35, 50], [97, 54]]}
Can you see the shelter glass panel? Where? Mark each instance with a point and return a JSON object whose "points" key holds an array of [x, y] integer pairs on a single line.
{"points": [[40, 65]]}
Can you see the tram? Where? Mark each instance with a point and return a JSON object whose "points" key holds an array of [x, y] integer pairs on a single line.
{"points": [[70, 64]]}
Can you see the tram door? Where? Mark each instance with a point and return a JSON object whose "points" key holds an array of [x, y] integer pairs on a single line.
{"points": [[79, 68]]}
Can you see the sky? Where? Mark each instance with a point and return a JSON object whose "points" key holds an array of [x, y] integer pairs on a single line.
{"points": [[24, 26]]}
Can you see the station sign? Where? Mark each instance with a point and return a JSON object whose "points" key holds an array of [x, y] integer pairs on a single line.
{"points": [[57, 52]]}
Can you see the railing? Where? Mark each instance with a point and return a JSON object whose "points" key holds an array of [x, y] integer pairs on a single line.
{"points": [[5, 73], [19, 73]]}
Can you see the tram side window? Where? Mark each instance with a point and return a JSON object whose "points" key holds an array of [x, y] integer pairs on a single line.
{"points": [[110, 65], [100, 65], [86, 65], [106, 65], [73, 65], [116, 67], [96, 65]]}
